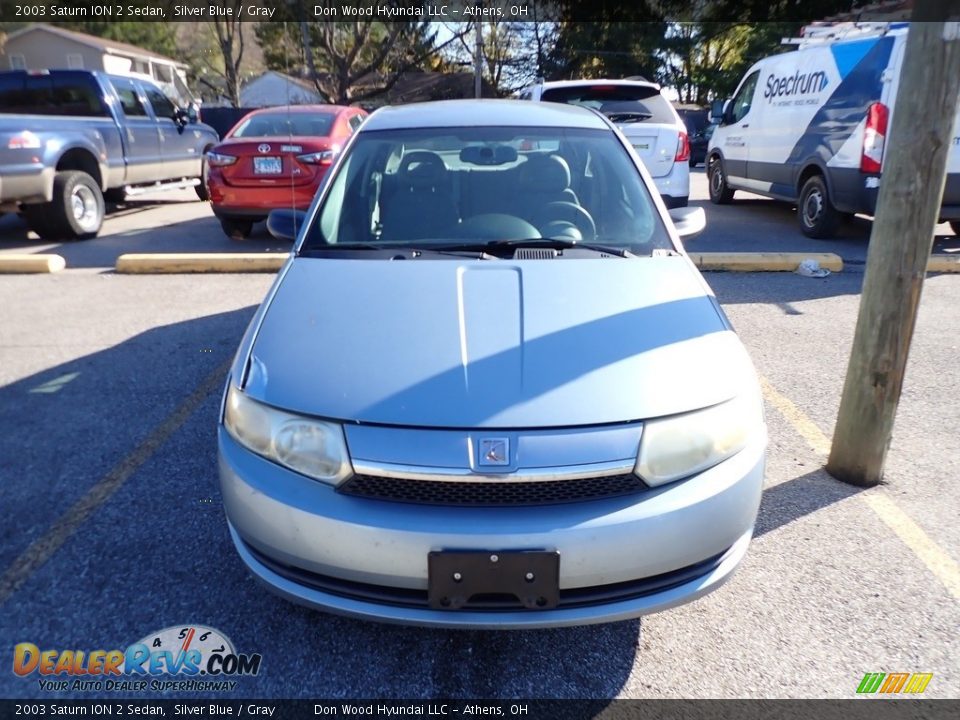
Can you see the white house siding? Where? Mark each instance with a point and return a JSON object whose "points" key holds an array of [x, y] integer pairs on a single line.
{"points": [[274, 89]]}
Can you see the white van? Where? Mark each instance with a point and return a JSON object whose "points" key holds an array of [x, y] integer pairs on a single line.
{"points": [[809, 126]]}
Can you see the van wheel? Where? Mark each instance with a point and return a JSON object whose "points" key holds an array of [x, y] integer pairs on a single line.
{"points": [[236, 229], [818, 217], [955, 226], [720, 192], [75, 213]]}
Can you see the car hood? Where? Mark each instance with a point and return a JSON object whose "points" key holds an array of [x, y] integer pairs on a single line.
{"points": [[494, 344]]}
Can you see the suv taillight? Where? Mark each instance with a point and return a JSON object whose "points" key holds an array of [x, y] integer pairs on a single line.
{"points": [[683, 148], [874, 135]]}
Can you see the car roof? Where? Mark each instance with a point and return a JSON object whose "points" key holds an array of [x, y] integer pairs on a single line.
{"points": [[490, 113], [599, 81], [284, 109]]}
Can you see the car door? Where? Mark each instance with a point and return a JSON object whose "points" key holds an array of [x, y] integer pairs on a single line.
{"points": [[735, 144], [141, 139], [178, 143]]}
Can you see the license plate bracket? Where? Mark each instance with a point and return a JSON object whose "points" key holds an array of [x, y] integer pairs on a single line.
{"points": [[267, 165], [532, 576]]}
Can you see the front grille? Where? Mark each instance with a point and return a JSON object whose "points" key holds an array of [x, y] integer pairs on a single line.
{"points": [[572, 598], [491, 493]]}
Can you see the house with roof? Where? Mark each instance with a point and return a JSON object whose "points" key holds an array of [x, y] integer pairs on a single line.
{"points": [[277, 88], [46, 47]]}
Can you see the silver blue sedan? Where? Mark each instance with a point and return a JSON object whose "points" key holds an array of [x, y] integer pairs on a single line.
{"points": [[489, 388]]}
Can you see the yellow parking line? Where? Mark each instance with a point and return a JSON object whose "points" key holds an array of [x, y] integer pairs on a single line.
{"points": [[795, 416], [155, 263], [933, 556], [944, 568], [763, 261], [46, 545]]}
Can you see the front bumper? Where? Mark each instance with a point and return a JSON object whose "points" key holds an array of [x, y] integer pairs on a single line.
{"points": [[620, 557]]}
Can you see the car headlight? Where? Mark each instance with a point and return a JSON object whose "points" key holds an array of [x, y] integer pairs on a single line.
{"points": [[676, 447], [312, 447]]}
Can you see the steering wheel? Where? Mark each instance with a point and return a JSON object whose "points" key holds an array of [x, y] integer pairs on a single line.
{"points": [[566, 212]]}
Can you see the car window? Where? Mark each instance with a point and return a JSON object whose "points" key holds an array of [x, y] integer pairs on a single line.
{"points": [[162, 105], [283, 124], [744, 98], [621, 103], [60, 94], [355, 121], [129, 99], [471, 185]]}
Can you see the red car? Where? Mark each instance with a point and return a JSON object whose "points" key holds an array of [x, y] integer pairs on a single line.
{"points": [[275, 158]]}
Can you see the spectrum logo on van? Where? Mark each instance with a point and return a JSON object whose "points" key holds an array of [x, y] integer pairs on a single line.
{"points": [[796, 84]]}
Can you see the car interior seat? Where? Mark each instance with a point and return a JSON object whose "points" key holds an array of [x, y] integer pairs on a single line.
{"points": [[421, 204]]}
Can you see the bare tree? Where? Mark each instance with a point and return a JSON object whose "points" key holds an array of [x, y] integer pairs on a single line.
{"points": [[350, 62], [230, 43]]}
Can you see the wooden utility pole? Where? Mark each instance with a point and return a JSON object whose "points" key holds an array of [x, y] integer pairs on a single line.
{"points": [[900, 243]]}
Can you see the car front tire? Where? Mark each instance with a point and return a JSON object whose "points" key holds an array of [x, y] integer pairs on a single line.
{"points": [[955, 226]]}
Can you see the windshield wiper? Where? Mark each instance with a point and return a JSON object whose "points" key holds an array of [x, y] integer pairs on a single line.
{"points": [[626, 116], [541, 242], [400, 249]]}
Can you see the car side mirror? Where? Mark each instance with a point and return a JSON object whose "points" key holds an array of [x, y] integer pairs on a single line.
{"points": [[689, 221], [284, 224], [181, 118], [716, 110]]}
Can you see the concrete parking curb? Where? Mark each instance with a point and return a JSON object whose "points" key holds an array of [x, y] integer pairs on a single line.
{"points": [[764, 262], [25, 264], [158, 263], [944, 264]]}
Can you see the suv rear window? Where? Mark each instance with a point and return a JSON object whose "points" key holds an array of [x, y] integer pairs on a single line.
{"points": [[58, 94], [621, 103]]}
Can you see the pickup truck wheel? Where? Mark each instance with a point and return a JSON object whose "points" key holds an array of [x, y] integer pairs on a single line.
{"points": [[76, 211], [720, 192], [955, 226], [818, 217], [236, 229]]}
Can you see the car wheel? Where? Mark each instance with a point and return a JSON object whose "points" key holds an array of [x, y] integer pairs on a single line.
{"points": [[818, 217], [720, 192], [76, 211], [236, 229], [201, 189], [955, 226]]}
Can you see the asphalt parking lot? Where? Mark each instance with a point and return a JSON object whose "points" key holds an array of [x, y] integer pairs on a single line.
{"points": [[109, 390]]}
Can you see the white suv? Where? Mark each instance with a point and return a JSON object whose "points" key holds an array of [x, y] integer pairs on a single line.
{"points": [[644, 116]]}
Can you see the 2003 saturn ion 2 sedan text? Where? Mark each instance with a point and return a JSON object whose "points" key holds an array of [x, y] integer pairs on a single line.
{"points": [[489, 389]]}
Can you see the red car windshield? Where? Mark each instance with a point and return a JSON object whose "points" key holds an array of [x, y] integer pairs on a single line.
{"points": [[285, 124]]}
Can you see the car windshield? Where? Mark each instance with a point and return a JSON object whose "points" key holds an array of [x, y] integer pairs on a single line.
{"points": [[285, 124], [467, 187], [621, 103]]}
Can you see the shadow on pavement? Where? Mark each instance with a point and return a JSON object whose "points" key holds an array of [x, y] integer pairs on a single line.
{"points": [[156, 552], [803, 495], [202, 234]]}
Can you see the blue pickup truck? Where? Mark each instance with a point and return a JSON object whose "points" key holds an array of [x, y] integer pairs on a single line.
{"points": [[69, 138]]}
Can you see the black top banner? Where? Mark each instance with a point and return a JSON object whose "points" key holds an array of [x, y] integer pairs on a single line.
{"points": [[20, 11]]}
